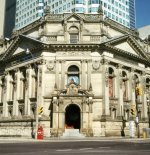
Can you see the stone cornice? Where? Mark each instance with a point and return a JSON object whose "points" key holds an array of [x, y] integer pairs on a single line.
{"points": [[70, 47]]}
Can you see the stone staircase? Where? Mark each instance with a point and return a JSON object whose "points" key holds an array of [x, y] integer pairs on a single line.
{"points": [[72, 133]]}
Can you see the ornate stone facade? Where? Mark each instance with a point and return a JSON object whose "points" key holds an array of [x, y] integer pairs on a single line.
{"points": [[82, 69]]}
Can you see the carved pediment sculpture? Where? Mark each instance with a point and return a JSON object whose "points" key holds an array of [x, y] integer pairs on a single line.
{"points": [[72, 89]]}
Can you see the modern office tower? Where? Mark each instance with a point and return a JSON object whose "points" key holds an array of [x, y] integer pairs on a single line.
{"points": [[27, 11], [122, 11], [132, 13], [7, 17]]}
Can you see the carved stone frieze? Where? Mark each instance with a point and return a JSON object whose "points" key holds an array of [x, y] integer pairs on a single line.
{"points": [[73, 53]]}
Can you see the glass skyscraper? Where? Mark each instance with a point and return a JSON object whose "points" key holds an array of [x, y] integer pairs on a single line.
{"points": [[7, 17], [121, 11]]}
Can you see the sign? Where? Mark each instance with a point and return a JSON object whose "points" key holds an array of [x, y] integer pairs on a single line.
{"points": [[138, 91], [40, 110]]}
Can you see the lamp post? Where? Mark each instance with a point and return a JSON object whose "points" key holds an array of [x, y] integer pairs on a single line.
{"points": [[36, 114], [148, 104]]}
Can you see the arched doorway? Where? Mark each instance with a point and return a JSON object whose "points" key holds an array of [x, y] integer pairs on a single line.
{"points": [[72, 116]]}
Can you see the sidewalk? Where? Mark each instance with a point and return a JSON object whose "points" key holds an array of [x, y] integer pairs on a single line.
{"points": [[59, 139]]}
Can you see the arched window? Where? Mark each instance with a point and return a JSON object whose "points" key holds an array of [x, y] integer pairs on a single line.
{"points": [[73, 75], [74, 35], [111, 82]]}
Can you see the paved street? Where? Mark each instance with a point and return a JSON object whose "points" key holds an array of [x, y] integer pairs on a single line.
{"points": [[74, 147]]}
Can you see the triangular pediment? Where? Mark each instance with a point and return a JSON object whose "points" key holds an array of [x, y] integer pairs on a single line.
{"points": [[73, 17], [126, 47], [19, 45], [127, 44]]}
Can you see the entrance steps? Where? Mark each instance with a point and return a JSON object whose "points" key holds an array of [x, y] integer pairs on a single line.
{"points": [[72, 133]]}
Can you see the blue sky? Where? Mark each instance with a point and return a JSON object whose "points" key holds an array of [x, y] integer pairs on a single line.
{"points": [[142, 13]]}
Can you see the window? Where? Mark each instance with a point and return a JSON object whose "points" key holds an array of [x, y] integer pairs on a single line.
{"points": [[74, 35], [73, 38], [73, 75]]}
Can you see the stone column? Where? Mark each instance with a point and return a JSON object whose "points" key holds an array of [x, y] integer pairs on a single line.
{"points": [[65, 32], [6, 94], [120, 92], [16, 93], [132, 86], [28, 90], [1, 89], [55, 120], [41, 85], [105, 87], [143, 97]]}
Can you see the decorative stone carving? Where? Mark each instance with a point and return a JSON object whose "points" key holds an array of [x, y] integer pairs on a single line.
{"points": [[73, 53], [50, 65], [96, 64], [72, 89]]}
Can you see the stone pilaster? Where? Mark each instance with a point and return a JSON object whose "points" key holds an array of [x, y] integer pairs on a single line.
{"points": [[83, 74], [57, 74], [106, 104], [89, 66], [1, 90], [62, 74]]}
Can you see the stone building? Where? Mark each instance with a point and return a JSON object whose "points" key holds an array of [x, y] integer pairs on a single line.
{"points": [[82, 69]]}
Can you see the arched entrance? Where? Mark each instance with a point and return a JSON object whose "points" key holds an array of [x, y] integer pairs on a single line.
{"points": [[72, 116]]}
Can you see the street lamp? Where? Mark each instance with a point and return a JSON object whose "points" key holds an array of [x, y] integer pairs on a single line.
{"points": [[148, 104], [36, 114]]}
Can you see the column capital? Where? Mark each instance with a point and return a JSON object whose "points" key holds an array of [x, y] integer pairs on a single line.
{"points": [[16, 70], [132, 70], [105, 62], [28, 66]]}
